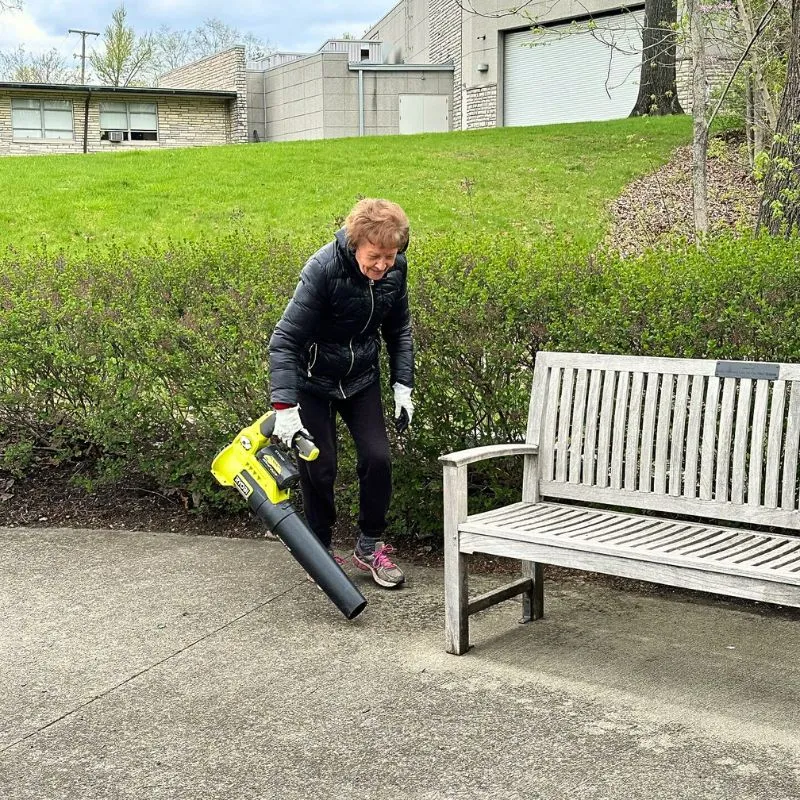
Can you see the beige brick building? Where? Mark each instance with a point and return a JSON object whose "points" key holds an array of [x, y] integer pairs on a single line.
{"points": [[48, 118]]}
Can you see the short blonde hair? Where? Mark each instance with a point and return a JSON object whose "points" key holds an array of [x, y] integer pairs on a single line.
{"points": [[379, 222]]}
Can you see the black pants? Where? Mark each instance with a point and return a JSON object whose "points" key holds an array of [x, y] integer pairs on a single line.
{"points": [[363, 415]]}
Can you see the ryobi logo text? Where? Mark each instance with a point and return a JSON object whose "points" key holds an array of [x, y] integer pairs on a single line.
{"points": [[245, 490]]}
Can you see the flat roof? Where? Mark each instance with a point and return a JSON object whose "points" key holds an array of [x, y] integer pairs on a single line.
{"points": [[366, 66], [129, 90]]}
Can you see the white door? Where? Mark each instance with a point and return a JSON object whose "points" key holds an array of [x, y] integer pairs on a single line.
{"points": [[569, 75], [424, 113]]}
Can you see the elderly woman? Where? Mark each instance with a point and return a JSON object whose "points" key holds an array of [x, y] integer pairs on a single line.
{"points": [[324, 361]]}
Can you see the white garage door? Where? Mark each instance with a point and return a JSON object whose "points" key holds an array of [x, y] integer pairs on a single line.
{"points": [[566, 75]]}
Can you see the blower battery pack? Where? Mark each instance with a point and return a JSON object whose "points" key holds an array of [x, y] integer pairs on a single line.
{"points": [[280, 467]]}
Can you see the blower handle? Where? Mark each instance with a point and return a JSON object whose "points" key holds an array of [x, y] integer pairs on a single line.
{"points": [[302, 443], [304, 447]]}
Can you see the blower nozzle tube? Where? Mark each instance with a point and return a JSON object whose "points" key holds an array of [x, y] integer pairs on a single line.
{"points": [[288, 526]]}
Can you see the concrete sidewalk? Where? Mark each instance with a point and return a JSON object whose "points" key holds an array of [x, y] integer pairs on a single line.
{"points": [[154, 665]]}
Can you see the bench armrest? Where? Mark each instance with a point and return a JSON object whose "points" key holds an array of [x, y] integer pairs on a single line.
{"points": [[462, 457]]}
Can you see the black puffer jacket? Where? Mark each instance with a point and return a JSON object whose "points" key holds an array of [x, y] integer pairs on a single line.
{"points": [[327, 341]]}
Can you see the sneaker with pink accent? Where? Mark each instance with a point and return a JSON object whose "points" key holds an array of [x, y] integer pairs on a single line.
{"points": [[384, 571], [338, 559]]}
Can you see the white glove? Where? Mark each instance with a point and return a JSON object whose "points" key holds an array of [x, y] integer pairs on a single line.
{"points": [[287, 424], [402, 403]]}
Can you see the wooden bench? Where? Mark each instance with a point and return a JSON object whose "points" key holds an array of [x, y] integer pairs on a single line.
{"points": [[632, 467]]}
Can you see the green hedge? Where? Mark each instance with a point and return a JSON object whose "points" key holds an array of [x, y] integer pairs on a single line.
{"points": [[143, 364]]}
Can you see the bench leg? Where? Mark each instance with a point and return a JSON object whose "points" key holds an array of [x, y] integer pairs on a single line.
{"points": [[533, 601], [456, 617]]}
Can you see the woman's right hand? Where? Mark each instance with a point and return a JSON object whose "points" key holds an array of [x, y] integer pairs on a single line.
{"points": [[287, 424]]}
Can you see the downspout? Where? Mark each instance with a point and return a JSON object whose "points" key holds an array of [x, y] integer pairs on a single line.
{"points": [[361, 102], [86, 122]]}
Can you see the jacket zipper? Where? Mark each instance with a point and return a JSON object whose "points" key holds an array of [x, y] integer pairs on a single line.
{"points": [[314, 350], [369, 319], [371, 308]]}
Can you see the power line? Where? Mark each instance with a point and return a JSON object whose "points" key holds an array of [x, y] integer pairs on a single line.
{"points": [[83, 34]]}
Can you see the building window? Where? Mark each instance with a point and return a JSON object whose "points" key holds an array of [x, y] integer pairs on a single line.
{"points": [[129, 122], [41, 119]]}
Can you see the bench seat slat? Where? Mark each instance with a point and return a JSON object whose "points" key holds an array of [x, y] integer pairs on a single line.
{"points": [[755, 555], [624, 532], [715, 548], [782, 552], [786, 560], [653, 536], [684, 575], [699, 543], [738, 560]]}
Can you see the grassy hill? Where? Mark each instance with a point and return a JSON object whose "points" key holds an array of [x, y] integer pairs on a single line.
{"points": [[545, 182]]}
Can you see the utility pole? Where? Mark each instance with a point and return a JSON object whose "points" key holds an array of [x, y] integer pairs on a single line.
{"points": [[83, 34]]}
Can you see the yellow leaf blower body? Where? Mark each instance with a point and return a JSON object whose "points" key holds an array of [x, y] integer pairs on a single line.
{"points": [[263, 475]]}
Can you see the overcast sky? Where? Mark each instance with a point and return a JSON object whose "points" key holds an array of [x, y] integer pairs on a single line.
{"points": [[294, 25]]}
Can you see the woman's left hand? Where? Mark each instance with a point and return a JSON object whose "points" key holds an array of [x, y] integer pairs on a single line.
{"points": [[403, 407]]}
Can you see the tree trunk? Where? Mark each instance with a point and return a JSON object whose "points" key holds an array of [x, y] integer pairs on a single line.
{"points": [[700, 127], [658, 91], [764, 99], [780, 204], [749, 115]]}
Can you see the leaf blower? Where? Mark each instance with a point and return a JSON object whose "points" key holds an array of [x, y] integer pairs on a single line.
{"points": [[263, 474]]}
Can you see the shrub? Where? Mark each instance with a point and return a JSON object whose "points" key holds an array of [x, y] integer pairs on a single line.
{"points": [[144, 363]]}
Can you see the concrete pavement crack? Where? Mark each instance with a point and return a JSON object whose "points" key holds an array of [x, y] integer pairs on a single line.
{"points": [[147, 669]]}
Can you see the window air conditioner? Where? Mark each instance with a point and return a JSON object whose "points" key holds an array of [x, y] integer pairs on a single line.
{"points": [[115, 136]]}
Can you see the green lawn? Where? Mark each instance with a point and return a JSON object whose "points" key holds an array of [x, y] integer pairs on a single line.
{"points": [[552, 181]]}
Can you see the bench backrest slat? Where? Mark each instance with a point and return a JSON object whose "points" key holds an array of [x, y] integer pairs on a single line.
{"points": [[756, 477], [775, 440], [721, 438], [789, 490]]}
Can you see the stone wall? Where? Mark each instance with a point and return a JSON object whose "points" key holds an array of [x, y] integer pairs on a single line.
{"points": [[225, 71], [445, 47], [718, 71], [182, 122], [482, 106]]}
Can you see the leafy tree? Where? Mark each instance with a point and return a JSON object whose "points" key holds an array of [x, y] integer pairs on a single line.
{"points": [[780, 205], [49, 67], [215, 35], [125, 54], [173, 49]]}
